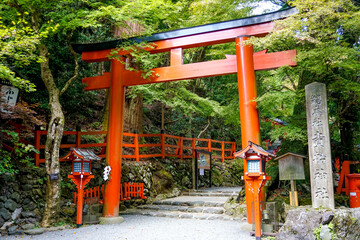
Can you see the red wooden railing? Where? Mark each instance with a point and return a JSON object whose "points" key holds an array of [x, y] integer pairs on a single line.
{"points": [[134, 190], [161, 145], [92, 195], [96, 194]]}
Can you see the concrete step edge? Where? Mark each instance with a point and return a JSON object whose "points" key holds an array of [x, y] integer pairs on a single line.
{"points": [[190, 203], [175, 214], [202, 209]]}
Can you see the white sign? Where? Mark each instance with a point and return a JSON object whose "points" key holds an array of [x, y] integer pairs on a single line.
{"points": [[9, 97]]}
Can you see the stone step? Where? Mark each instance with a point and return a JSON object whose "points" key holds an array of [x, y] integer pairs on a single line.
{"points": [[210, 194], [178, 214], [194, 201], [217, 190], [194, 209]]}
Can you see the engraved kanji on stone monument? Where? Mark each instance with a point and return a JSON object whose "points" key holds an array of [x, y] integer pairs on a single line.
{"points": [[322, 192]]}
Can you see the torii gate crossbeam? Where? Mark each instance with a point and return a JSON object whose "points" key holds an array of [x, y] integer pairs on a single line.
{"points": [[244, 63]]}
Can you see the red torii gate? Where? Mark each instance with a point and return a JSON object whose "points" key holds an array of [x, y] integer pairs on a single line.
{"points": [[245, 63]]}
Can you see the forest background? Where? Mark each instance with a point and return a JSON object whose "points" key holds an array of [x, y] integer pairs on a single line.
{"points": [[36, 56]]}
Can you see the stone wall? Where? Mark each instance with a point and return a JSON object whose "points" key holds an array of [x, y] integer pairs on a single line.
{"points": [[22, 195]]}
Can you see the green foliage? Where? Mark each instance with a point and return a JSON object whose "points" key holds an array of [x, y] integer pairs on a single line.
{"points": [[326, 38], [317, 231], [20, 155], [139, 58], [17, 47]]}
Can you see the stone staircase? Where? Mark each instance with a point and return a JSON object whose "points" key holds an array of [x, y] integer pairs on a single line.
{"points": [[198, 204]]}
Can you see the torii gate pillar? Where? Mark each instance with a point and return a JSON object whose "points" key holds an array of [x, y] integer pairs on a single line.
{"points": [[249, 117], [114, 141]]}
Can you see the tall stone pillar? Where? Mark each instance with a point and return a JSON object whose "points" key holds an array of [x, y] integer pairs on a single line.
{"points": [[322, 187]]}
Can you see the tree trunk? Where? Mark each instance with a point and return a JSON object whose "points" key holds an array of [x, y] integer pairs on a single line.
{"points": [[134, 114], [53, 141]]}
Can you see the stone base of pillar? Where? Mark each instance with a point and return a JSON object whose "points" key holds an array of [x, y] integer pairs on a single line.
{"points": [[111, 220]]}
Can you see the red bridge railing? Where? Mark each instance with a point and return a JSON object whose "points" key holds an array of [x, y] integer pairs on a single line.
{"points": [[139, 146]]}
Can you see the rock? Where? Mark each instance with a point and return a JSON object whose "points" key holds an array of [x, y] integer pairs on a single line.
{"points": [[3, 199], [16, 214], [2, 221], [35, 231], [6, 226], [176, 192], [235, 209], [327, 217], [2, 205], [31, 220], [37, 193], [28, 226], [12, 229], [10, 205], [15, 196], [185, 181], [5, 214], [300, 223], [28, 214], [26, 201], [347, 223], [325, 233], [162, 181], [68, 211], [52, 229], [30, 206], [26, 187], [23, 179]]}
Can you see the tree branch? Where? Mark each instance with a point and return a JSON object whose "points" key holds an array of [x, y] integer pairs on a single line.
{"points": [[76, 69], [204, 129]]}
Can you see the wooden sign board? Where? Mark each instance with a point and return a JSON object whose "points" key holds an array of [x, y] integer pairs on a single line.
{"points": [[291, 166], [203, 160], [202, 163]]}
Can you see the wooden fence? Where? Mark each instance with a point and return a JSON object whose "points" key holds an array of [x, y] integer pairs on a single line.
{"points": [[96, 194], [139, 146]]}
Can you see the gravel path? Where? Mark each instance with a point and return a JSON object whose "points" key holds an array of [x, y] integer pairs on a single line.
{"points": [[153, 228]]}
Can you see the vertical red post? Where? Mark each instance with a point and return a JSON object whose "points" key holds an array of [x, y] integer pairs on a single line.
{"points": [[193, 145], [222, 151], [114, 141], [209, 145], [257, 210], [80, 203], [249, 118], [136, 148], [181, 146], [37, 146], [162, 135]]}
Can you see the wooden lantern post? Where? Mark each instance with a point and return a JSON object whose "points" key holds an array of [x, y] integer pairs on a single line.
{"points": [[255, 178], [81, 175]]}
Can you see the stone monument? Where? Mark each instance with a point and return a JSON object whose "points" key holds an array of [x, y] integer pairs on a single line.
{"points": [[322, 187]]}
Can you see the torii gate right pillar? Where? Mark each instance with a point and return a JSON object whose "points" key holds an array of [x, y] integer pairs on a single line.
{"points": [[249, 117]]}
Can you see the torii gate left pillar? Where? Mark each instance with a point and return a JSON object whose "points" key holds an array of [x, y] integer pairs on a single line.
{"points": [[114, 139]]}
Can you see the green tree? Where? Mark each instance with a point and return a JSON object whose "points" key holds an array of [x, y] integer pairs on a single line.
{"points": [[326, 37], [88, 21]]}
